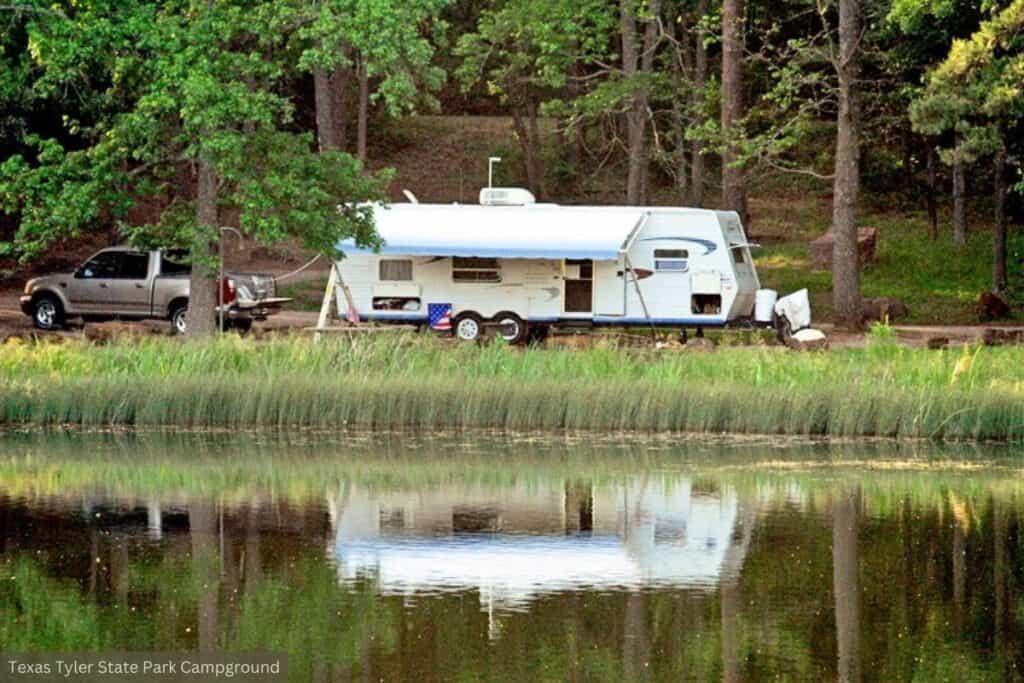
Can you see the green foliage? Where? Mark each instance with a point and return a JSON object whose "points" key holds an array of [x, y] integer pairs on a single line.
{"points": [[394, 38], [194, 84]]}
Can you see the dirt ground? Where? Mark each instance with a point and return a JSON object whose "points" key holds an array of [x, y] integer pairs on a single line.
{"points": [[14, 322]]}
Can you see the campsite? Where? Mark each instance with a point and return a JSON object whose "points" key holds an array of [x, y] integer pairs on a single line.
{"points": [[512, 340]]}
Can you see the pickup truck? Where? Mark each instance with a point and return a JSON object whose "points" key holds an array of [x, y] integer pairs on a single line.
{"points": [[123, 283]]}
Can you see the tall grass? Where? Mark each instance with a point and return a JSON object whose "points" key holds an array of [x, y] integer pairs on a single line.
{"points": [[416, 383]]}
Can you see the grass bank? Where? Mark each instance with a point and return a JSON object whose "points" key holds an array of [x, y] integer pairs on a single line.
{"points": [[416, 383]]}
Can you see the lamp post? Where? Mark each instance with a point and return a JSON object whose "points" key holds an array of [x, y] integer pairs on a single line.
{"points": [[220, 276], [491, 161]]}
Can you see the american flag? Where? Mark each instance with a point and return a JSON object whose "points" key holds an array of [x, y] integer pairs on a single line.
{"points": [[440, 316]]}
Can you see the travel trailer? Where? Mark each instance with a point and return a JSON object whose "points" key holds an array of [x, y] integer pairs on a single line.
{"points": [[523, 266]]}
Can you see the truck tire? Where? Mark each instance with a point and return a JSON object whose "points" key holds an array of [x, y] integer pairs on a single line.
{"points": [[468, 327], [242, 325], [47, 312], [179, 321], [513, 329]]}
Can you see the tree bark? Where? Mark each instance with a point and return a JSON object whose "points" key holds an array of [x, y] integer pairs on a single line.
{"points": [[700, 76], [527, 130], [734, 191], [846, 584], [959, 204], [646, 67], [999, 276], [340, 78], [364, 110], [845, 258], [933, 209], [681, 68], [202, 303], [635, 115], [326, 131]]}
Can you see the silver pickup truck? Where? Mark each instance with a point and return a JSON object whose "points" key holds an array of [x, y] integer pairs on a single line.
{"points": [[123, 283]]}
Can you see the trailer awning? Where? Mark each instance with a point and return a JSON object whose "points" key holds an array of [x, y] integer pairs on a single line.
{"points": [[539, 231]]}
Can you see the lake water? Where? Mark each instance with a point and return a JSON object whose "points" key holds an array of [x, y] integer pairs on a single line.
{"points": [[391, 558]]}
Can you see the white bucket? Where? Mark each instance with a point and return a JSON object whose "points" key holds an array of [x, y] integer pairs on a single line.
{"points": [[764, 303]]}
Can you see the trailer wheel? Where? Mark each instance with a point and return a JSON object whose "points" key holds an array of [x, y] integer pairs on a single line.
{"points": [[468, 327], [512, 328]]}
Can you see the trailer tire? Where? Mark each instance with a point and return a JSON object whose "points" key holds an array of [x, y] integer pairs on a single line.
{"points": [[514, 329], [468, 326]]}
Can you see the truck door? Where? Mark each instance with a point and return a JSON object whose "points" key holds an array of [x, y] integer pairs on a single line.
{"points": [[130, 291], [89, 290]]}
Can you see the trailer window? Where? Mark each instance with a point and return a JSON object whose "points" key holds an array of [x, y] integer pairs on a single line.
{"points": [[739, 255], [671, 260], [399, 270], [469, 269]]}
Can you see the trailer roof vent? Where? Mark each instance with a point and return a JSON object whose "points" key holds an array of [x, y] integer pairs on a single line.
{"points": [[506, 196]]}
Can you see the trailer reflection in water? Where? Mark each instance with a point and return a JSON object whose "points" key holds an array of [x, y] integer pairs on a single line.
{"points": [[515, 544]]}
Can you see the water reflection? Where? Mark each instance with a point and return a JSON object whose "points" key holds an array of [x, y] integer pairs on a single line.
{"points": [[426, 561], [515, 543]]}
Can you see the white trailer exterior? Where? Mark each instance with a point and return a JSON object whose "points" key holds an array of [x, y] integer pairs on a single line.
{"points": [[545, 264]]}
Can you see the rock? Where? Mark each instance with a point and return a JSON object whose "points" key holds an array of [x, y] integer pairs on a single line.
{"points": [[937, 342], [991, 307], [700, 344], [807, 339], [883, 309], [821, 248]]}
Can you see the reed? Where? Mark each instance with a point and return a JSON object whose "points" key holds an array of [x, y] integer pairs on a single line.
{"points": [[415, 383]]}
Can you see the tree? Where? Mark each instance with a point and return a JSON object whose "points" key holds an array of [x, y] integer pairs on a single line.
{"points": [[734, 193], [527, 51], [845, 254], [391, 41], [199, 99], [975, 94]]}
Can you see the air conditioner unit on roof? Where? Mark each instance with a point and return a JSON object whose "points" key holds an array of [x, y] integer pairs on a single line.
{"points": [[506, 196]]}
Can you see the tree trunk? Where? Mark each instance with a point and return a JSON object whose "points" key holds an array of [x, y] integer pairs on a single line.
{"points": [[959, 205], [734, 191], [527, 144], [635, 115], [647, 66], [326, 118], [681, 68], [364, 110], [700, 76], [845, 257], [999, 277], [340, 78], [933, 210], [202, 303], [846, 584]]}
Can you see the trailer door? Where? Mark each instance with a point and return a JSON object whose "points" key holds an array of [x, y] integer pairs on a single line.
{"points": [[609, 291]]}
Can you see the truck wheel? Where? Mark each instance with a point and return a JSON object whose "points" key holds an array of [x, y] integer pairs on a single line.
{"points": [[179, 320], [468, 327], [47, 312], [511, 328]]}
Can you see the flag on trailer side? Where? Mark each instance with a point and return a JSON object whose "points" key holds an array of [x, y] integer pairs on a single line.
{"points": [[440, 316]]}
